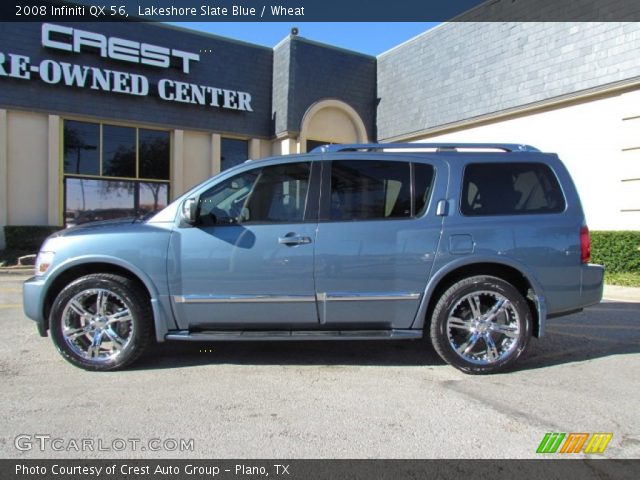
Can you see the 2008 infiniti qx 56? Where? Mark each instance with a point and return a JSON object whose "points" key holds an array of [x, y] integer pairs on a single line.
{"points": [[472, 245]]}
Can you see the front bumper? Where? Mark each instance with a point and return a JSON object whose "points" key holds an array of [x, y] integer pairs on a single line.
{"points": [[33, 292]]}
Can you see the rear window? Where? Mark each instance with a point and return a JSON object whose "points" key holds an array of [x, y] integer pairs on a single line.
{"points": [[510, 189]]}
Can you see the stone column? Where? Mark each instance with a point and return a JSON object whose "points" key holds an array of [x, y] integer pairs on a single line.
{"points": [[3, 175], [54, 214], [177, 163], [216, 153]]}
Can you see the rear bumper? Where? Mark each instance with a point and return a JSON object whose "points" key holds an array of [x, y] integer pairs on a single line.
{"points": [[592, 284], [32, 302]]}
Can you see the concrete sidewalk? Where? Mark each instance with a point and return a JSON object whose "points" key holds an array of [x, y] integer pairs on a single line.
{"points": [[621, 294]]}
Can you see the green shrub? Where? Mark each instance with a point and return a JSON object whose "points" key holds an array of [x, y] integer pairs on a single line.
{"points": [[619, 251], [26, 237]]}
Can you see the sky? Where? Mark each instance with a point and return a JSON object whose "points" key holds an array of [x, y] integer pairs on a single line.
{"points": [[369, 38]]}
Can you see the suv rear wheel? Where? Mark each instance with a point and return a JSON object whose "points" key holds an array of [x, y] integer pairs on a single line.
{"points": [[481, 324], [101, 322]]}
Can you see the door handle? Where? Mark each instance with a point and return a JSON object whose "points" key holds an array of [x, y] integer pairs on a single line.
{"points": [[291, 239]]}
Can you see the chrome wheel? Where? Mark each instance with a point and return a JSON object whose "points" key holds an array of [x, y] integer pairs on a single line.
{"points": [[483, 327], [481, 324], [97, 325]]}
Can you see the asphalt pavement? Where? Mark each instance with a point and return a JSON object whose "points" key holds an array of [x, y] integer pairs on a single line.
{"points": [[321, 399]]}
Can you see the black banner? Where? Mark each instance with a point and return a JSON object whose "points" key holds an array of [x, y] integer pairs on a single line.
{"points": [[298, 11], [317, 469]]}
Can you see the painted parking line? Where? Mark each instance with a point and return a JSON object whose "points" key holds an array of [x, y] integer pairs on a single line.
{"points": [[10, 290], [10, 305]]}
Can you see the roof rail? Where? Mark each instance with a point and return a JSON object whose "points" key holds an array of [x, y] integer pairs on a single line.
{"points": [[438, 147]]}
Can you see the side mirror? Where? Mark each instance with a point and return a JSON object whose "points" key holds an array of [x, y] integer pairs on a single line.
{"points": [[189, 211]]}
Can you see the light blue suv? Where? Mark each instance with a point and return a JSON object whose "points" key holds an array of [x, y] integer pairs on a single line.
{"points": [[473, 245]]}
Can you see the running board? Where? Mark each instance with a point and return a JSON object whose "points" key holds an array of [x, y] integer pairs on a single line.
{"points": [[239, 335]]}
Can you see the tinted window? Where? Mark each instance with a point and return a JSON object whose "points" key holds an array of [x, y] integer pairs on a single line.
{"points": [[118, 151], [90, 200], [510, 189], [81, 148], [128, 154], [365, 190], [423, 177], [233, 152], [153, 152], [276, 194], [152, 196]]}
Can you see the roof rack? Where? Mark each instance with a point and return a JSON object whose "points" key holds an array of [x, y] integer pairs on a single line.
{"points": [[438, 147]]}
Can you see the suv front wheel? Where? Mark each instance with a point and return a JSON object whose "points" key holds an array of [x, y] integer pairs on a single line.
{"points": [[481, 324], [101, 322]]}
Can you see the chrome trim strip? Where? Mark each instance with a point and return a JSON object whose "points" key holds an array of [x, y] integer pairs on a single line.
{"points": [[322, 297], [322, 307], [363, 297], [296, 335], [190, 299]]}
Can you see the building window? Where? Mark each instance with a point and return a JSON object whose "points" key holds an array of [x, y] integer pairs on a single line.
{"points": [[233, 152], [118, 151], [152, 145], [111, 171], [312, 144], [81, 148]]}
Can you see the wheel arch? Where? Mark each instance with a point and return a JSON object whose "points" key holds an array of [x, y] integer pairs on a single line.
{"points": [[70, 271], [511, 272]]}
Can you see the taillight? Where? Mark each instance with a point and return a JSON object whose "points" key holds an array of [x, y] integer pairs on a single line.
{"points": [[585, 245]]}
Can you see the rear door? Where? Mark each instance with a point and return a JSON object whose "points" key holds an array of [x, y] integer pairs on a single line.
{"points": [[377, 236], [517, 209]]}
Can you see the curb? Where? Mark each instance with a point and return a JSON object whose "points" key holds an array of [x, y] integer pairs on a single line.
{"points": [[621, 294], [27, 270], [620, 300]]}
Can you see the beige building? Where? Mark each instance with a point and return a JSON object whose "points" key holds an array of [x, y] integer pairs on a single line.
{"points": [[597, 137], [568, 88]]}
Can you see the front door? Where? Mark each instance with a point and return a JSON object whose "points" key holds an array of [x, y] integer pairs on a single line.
{"points": [[249, 259]]}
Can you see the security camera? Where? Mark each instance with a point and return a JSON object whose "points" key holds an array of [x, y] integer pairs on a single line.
{"points": [[294, 31]]}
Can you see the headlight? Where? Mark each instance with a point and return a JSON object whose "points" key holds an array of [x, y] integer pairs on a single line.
{"points": [[43, 262]]}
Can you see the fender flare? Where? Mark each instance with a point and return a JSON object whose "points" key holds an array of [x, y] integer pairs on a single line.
{"points": [[162, 318], [435, 280]]}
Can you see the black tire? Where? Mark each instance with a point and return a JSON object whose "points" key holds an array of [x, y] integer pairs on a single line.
{"points": [[101, 322], [481, 325]]}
